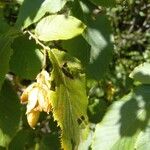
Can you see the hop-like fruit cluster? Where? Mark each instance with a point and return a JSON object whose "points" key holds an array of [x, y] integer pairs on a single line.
{"points": [[37, 98]]}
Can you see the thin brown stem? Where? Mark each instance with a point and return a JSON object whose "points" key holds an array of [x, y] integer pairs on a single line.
{"points": [[45, 48]]}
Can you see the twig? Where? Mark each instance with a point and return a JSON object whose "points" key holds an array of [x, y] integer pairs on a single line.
{"points": [[45, 48], [36, 40]]}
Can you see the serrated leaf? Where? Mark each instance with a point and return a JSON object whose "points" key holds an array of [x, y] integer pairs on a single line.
{"points": [[98, 35], [58, 27], [70, 100], [27, 59], [10, 114], [105, 3], [31, 12], [124, 121], [5, 54], [141, 73]]}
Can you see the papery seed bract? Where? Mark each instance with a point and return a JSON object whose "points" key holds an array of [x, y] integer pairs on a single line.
{"points": [[43, 100], [32, 118], [43, 78], [32, 99], [24, 96], [38, 98]]}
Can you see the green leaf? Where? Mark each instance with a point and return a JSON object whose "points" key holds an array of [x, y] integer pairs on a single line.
{"points": [[79, 48], [87, 135], [58, 27], [98, 35], [105, 3], [3, 26], [50, 142], [69, 101], [142, 142], [141, 73], [5, 54], [25, 138], [96, 109], [2, 148], [124, 122], [31, 12], [10, 114], [20, 1], [27, 59]]}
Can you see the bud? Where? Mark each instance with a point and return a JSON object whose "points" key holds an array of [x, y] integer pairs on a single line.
{"points": [[32, 118]]}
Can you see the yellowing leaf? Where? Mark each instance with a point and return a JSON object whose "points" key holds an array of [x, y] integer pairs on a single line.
{"points": [[69, 101], [58, 27]]}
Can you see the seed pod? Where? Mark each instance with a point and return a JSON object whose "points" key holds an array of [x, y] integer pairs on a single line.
{"points": [[32, 118], [24, 98], [32, 99], [43, 78], [43, 100], [25, 94], [37, 96]]}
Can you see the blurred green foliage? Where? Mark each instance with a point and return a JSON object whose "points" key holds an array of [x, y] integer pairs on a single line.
{"points": [[130, 22], [131, 28]]}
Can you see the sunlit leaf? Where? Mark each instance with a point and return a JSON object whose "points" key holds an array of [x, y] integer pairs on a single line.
{"points": [[70, 100], [20, 1], [142, 73], [87, 135], [31, 12], [123, 122], [58, 27], [142, 142], [10, 114]]}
